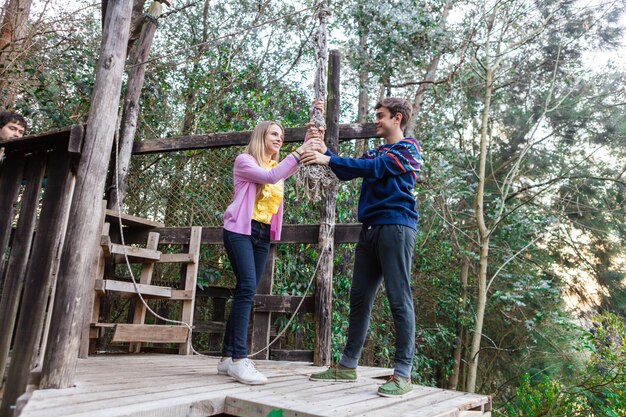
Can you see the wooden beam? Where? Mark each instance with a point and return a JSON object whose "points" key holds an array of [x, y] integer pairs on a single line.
{"points": [[292, 233], [113, 217], [84, 230], [209, 327], [133, 253], [269, 303], [128, 288], [226, 139], [291, 355], [58, 139], [150, 333]]}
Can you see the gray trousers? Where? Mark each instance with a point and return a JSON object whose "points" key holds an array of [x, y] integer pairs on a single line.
{"points": [[383, 252]]}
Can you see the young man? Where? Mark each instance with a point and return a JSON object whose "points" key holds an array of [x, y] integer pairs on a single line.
{"points": [[12, 126], [386, 242]]}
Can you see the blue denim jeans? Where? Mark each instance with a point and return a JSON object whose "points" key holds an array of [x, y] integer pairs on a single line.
{"points": [[247, 255], [384, 252]]}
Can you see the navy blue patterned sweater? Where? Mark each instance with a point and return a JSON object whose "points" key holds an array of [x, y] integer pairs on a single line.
{"points": [[389, 173]]}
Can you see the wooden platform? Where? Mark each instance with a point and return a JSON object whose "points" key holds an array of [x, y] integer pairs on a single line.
{"points": [[175, 386]]}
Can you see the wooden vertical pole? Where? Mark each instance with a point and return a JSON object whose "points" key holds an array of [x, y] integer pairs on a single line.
{"points": [[262, 322], [84, 229], [128, 126], [324, 278]]}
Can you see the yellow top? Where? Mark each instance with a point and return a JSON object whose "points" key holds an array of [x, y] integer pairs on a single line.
{"points": [[268, 200]]}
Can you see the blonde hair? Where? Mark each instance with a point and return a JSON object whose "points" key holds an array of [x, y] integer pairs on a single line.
{"points": [[256, 146]]}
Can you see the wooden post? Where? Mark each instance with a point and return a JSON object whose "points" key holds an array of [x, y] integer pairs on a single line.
{"points": [[128, 125], [83, 232], [262, 321], [16, 267], [324, 278], [46, 246]]}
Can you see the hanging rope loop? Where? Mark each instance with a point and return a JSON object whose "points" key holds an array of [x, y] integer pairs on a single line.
{"points": [[315, 180]]}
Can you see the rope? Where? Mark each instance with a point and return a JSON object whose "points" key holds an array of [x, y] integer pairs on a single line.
{"points": [[315, 180]]}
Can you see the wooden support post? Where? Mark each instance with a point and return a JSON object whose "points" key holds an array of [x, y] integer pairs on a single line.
{"points": [[261, 322], [84, 229], [45, 248], [191, 274], [128, 125], [324, 278], [16, 267]]}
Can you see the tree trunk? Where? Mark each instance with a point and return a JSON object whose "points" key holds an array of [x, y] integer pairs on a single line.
{"points": [[13, 33], [428, 79], [363, 106], [483, 233], [128, 125], [453, 382], [62, 347]]}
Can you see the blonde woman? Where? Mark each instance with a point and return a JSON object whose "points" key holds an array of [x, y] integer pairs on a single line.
{"points": [[250, 222]]}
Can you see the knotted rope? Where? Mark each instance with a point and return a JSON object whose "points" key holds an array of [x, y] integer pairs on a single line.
{"points": [[316, 179]]}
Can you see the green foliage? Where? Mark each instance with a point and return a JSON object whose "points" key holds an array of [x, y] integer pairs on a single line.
{"points": [[597, 389]]}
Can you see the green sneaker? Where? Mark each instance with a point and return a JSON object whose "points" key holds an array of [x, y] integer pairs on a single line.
{"points": [[336, 374], [395, 387]]}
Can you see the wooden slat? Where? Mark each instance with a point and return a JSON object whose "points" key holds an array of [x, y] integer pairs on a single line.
{"points": [[225, 139], [135, 253], [10, 179], [178, 258], [291, 355], [150, 333], [182, 295], [131, 221], [209, 327], [148, 291], [282, 303]]}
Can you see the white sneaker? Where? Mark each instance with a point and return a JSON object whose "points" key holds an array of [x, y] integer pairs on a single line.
{"points": [[244, 371], [222, 366]]}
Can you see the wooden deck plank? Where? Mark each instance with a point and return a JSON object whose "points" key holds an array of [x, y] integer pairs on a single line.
{"points": [[153, 385]]}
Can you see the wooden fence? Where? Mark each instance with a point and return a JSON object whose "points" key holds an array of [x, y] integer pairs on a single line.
{"points": [[37, 178]]}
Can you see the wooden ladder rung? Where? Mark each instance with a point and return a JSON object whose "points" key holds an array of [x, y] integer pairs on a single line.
{"points": [[134, 254], [150, 333], [178, 258], [128, 220], [146, 290]]}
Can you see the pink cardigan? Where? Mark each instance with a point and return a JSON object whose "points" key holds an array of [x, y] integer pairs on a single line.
{"points": [[246, 175]]}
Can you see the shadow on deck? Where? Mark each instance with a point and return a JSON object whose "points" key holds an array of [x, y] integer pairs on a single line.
{"points": [[176, 386]]}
